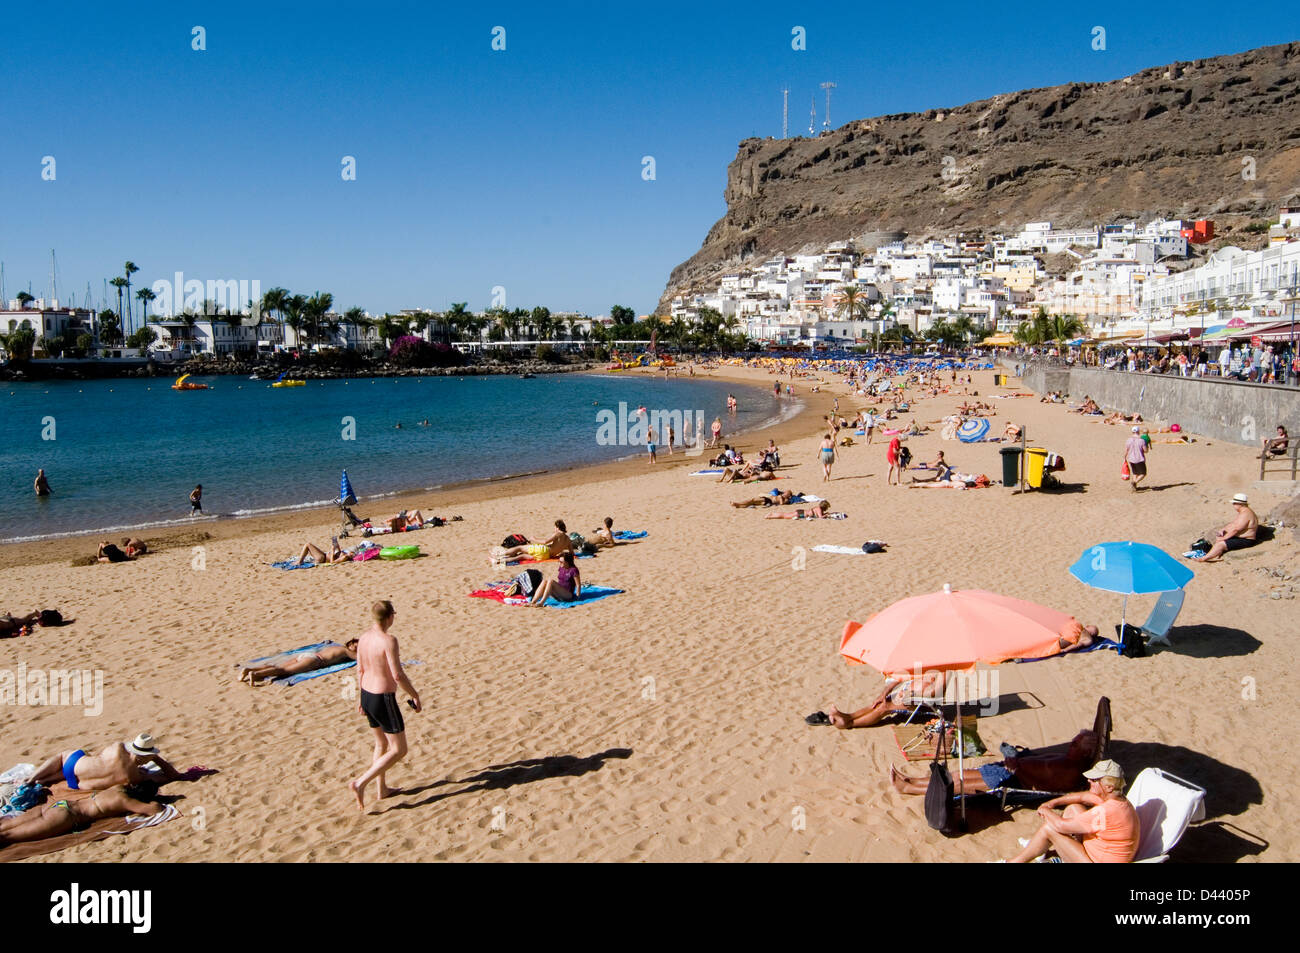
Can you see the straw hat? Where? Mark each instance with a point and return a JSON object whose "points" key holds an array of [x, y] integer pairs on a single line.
{"points": [[1242, 499], [143, 745]]}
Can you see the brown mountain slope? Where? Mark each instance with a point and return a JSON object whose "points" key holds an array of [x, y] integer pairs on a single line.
{"points": [[1166, 141]]}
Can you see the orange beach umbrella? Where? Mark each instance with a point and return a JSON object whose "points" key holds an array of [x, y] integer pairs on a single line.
{"points": [[953, 630]]}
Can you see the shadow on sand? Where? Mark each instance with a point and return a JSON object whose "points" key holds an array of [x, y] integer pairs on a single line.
{"points": [[526, 771], [1209, 641]]}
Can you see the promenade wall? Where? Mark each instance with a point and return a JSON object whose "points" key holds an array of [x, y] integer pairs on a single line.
{"points": [[1221, 410]]}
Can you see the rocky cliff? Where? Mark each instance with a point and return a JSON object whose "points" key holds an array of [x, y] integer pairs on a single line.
{"points": [[1216, 138]]}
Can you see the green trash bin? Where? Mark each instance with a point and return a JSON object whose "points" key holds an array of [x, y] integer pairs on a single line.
{"points": [[1035, 464], [1010, 466]]}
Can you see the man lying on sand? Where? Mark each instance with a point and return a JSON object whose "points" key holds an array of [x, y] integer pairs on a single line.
{"points": [[109, 553], [895, 698], [1033, 772], [304, 662], [122, 762], [11, 624], [60, 817], [557, 543]]}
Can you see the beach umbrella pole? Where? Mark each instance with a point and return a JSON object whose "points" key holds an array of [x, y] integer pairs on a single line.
{"points": [[961, 757]]}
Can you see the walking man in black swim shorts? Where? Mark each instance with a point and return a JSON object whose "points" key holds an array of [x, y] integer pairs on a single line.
{"points": [[379, 673]]}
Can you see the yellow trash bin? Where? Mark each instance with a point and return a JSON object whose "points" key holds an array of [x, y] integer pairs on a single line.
{"points": [[1000, 380], [1035, 460]]}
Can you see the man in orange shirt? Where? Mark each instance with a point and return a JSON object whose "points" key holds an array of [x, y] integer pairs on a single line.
{"points": [[1104, 832]]}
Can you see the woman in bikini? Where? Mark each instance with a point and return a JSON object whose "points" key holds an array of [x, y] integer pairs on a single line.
{"points": [[318, 556], [565, 587], [820, 511], [305, 662], [60, 817]]}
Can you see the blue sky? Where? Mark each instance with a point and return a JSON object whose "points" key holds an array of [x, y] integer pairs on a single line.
{"points": [[475, 168]]}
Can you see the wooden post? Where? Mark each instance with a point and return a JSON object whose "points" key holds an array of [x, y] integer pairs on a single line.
{"points": [[1295, 459]]}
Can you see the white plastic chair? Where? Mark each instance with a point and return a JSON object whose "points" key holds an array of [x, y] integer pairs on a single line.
{"points": [[1162, 616], [1165, 805]]}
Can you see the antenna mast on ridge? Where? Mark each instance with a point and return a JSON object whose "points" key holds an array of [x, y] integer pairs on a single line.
{"points": [[812, 122], [827, 122], [785, 112]]}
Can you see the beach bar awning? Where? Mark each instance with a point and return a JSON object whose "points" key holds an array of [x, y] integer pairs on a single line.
{"points": [[998, 340]]}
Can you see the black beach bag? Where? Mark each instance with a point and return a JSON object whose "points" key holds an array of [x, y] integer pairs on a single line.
{"points": [[938, 795], [1132, 641]]}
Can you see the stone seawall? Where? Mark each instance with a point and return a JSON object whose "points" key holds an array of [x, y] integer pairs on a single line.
{"points": [[1218, 409]]}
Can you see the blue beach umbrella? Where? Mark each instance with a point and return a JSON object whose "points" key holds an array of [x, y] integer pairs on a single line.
{"points": [[1130, 568], [973, 429], [346, 496]]}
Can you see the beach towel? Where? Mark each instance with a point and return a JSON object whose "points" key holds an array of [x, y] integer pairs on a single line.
{"points": [[624, 534], [589, 594], [1097, 643], [282, 657], [707, 472], [523, 560], [287, 564], [847, 550], [100, 829]]}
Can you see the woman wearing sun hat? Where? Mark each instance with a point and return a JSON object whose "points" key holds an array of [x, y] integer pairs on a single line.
{"points": [[1099, 826]]}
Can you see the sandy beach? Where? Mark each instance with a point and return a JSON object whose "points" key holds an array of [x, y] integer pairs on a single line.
{"points": [[666, 723]]}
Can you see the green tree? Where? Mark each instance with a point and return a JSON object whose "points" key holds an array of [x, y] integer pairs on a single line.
{"points": [[24, 299], [622, 315], [19, 344], [110, 328], [85, 344], [142, 338], [1063, 328]]}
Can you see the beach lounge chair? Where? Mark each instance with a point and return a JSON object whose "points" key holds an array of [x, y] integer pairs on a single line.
{"points": [[1010, 798], [1162, 616], [1166, 805]]}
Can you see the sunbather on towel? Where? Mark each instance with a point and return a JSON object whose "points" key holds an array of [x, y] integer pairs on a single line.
{"points": [[1033, 771], [109, 553], [558, 543], [748, 472], [59, 817], [405, 520], [122, 762], [1099, 826], [780, 499], [603, 538], [565, 587], [323, 657], [820, 511], [317, 555], [1075, 635], [894, 698]]}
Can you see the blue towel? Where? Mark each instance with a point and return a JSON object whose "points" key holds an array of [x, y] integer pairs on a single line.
{"points": [[291, 564], [630, 534], [303, 676], [589, 594], [285, 655], [1096, 644], [705, 472]]}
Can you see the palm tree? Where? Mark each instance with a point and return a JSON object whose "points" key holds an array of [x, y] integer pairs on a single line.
{"points": [[120, 285], [317, 306], [274, 301], [144, 296], [129, 269], [963, 327], [1063, 328], [294, 309]]}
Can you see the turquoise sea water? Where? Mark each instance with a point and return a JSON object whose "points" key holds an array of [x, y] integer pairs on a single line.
{"points": [[126, 453]]}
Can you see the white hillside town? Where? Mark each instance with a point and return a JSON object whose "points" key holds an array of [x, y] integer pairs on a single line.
{"points": [[1124, 282]]}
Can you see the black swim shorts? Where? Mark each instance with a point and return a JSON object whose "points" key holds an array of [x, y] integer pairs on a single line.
{"points": [[1236, 542], [383, 712]]}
